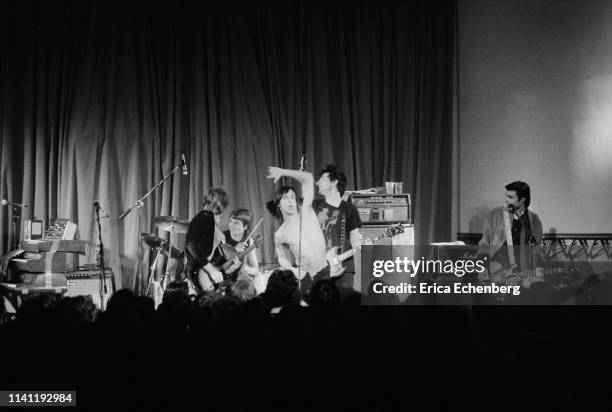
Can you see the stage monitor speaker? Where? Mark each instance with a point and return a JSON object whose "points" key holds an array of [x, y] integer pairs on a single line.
{"points": [[87, 282], [370, 232]]}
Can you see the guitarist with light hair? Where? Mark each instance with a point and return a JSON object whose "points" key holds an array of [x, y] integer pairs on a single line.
{"points": [[203, 237]]}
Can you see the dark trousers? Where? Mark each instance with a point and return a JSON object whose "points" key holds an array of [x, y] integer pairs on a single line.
{"points": [[307, 282], [344, 283]]}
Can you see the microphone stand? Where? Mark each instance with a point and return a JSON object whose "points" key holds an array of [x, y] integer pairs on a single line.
{"points": [[103, 289], [16, 218], [301, 169], [138, 204]]}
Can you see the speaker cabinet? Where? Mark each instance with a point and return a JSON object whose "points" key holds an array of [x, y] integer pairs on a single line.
{"points": [[406, 240], [87, 282]]}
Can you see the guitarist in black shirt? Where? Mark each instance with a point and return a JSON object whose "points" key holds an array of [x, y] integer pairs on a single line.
{"points": [[203, 237], [338, 218]]}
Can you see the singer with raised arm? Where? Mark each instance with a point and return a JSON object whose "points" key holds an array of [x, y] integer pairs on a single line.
{"points": [[306, 245], [511, 233]]}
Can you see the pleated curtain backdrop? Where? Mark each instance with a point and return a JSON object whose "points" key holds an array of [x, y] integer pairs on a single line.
{"points": [[97, 99]]}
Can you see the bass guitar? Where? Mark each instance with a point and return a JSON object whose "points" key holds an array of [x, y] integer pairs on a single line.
{"points": [[511, 277], [205, 279]]}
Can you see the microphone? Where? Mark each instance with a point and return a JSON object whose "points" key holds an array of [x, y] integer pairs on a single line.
{"points": [[302, 163], [100, 211], [8, 202], [184, 163]]}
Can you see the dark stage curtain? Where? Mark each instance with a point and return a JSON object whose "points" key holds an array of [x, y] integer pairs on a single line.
{"points": [[97, 97]]}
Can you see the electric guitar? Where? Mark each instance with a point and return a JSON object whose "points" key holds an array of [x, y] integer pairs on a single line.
{"points": [[511, 277], [206, 281], [335, 260]]}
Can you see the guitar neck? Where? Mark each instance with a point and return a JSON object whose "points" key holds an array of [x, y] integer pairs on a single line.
{"points": [[345, 255], [533, 273], [239, 256]]}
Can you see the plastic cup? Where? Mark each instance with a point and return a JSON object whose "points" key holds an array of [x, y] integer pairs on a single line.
{"points": [[390, 187]]}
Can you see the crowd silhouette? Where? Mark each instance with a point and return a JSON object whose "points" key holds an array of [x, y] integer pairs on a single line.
{"points": [[237, 349]]}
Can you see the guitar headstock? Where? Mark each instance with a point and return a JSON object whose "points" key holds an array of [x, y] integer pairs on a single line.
{"points": [[257, 240], [394, 230]]}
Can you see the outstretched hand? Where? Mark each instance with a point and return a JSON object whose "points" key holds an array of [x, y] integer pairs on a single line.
{"points": [[274, 173]]}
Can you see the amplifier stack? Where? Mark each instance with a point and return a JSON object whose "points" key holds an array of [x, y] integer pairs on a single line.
{"points": [[377, 212]]}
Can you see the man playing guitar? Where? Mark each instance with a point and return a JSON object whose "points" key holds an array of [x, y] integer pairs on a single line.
{"points": [[203, 237], [309, 251], [509, 232], [236, 237], [338, 218]]}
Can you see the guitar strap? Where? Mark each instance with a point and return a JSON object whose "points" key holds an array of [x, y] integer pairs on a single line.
{"points": [[343, 233], [212, 281], [219, 238], [508, 232], [528, 252]]}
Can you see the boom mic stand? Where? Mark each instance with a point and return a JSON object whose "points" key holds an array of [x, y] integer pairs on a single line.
{"points": [[138, 204]]}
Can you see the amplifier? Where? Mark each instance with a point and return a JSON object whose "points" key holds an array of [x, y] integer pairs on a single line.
{"points": [[379, 209], [61, 229], [405, 240], [87, 282]]}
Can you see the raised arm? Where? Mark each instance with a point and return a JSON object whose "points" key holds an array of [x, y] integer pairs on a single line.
{"points": [[305, 178]]}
